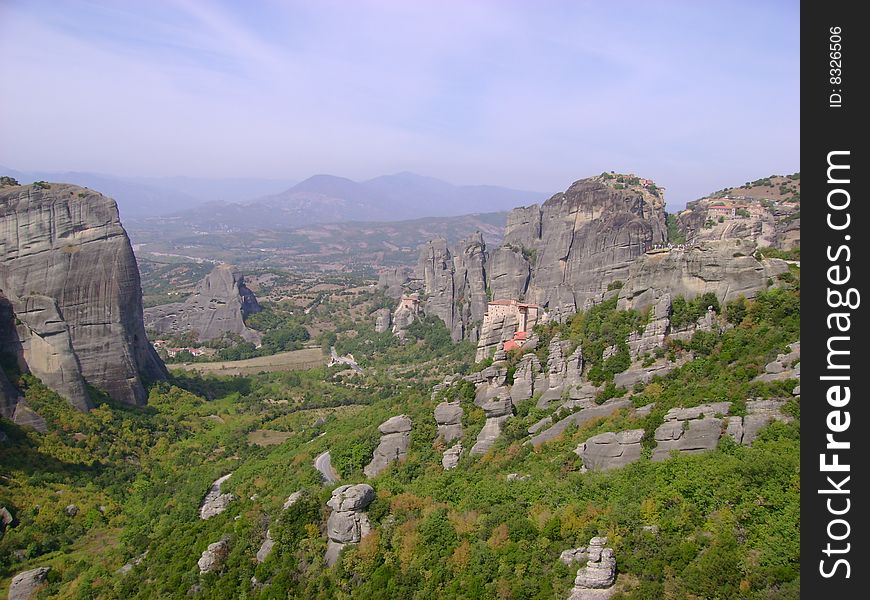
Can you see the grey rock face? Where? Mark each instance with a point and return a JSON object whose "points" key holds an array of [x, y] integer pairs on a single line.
{"points": [[610, 450], [759, 413], [509, 273], [66, 244], [220, 305], [784, 366], [589, 236], [24, 584], [579, 555], [45, 346], [494, 332], [292, 499], [690, 430], [5, 518], [27, 417], [454, 283], [383, 320], [450, 458], [448, 416], [395, 437], [347, 524], [215, 502], [266, 547], [653, 335], [578, 418], [213, 557], [726, 268], [557, 372], [392, 280], [639, 374], [528, 371], [596, 579], [71, 510], [497, 409]]}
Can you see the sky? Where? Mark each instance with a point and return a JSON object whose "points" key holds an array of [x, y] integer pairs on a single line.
{"points": [[697, 95]]}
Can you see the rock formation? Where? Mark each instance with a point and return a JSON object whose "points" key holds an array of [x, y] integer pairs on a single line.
{"points": [[784, 366], [395, 437], [690, 430], [578, 418], [68, 274], [595, 580], [266, 547], [527, 378], [347, 524], [448, 416], [220, 305], [213, 557], [391, 281], [497, 411], [454, 283], [383, 320], [585, 238], [610, 450], [292, 499], [653, 335], [450, 458], [759, 413], [725, 267], [25, 584], [215, 502], [5, 518]]}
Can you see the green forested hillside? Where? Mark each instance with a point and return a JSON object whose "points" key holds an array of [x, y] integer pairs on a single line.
{"points": [[724, 524]]}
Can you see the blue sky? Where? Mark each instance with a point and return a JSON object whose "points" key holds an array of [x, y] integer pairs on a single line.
{"points": [[696, 95]]}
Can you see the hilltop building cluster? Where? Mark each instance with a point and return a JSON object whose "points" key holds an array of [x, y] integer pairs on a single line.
{"points": [[526, 315]]}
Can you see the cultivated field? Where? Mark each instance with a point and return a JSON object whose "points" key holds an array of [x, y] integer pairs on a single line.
{"points": [[296, 360]]}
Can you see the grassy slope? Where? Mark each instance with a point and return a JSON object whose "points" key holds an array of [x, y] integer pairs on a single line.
{"points": [[728, 521]]}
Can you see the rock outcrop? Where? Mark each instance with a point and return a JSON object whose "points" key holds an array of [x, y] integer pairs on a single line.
{"points": [[215, 502], [610, 450], [725, 267], [5, 518], [454, 283], [497, 411], [347, 524], [25, 584], [219, 306], [383, 320], [527, 378], [653, 335], [690, 430], [451, 456], [759, 413], [213, 557], [392, 281], [448, 416], [266, 547], [395, 437], [595, 580], [68, 273], [585, 238], [578, 418], [27, 417], [784, 366]]}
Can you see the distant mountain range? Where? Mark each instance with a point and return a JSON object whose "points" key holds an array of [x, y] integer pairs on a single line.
{"points": [[139, 197], [331, 199], [241, 204]]}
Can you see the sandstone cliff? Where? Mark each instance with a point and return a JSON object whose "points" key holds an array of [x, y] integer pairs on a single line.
{"points": [[220, 305], [68, 273]]}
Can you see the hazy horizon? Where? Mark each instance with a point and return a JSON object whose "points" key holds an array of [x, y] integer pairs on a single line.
{"points": [[508, 94]]}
